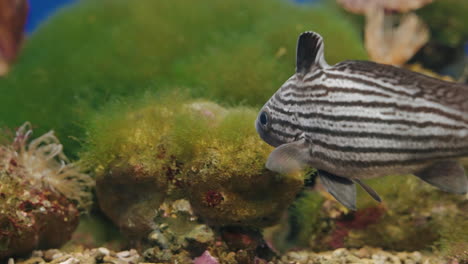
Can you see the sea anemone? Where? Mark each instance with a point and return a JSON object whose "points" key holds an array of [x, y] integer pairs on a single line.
{"points": [[42, 163]]}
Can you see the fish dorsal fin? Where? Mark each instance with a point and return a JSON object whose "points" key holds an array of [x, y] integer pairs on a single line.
{"points": [[309, 53]]}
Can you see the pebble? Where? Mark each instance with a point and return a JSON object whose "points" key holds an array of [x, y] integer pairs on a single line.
{"points": [[103, 251], [364, 255]]}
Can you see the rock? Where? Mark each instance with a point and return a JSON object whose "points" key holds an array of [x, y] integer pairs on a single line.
{"points": [[41, 194]]}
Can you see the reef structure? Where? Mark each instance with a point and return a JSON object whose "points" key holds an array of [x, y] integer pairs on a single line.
{"points": [[41, 193]]}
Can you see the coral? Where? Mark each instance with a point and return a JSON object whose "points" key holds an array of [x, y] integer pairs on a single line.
{"points": [[357, 6], [40, 194], [385, 42], [13, 15], [393, 45], [230, 51]]}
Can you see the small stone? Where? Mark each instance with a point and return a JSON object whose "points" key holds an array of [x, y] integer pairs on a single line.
{"points": [[113, 260], [416, 256], [182, 205], [201, 233], [159, 239], [49, 255], [395, 260], [364, 252], [34, 261], [103, 251], [298, 256], [353, 259], [70, 261], [379, 259], [341, 252], [123, 254], [37, 253]]}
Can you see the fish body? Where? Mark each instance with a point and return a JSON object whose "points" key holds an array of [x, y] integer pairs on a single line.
{"points": [[359, 119]]}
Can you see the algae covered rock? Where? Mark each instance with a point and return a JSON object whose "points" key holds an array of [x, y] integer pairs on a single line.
{"points": [[412, 216], [41, 194], [195, 150], [230, 51]]}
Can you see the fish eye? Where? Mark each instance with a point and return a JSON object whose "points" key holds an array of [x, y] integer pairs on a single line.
{"points": [[264, 118]]}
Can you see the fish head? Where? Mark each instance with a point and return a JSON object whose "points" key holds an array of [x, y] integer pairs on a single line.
{"points": [[264, 124], [277, 124]]}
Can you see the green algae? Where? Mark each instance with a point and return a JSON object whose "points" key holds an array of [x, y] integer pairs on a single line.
{"points": [[164, 147], [307, 217], [412, 216], [415, 215], [229, 51], [451, 32]]}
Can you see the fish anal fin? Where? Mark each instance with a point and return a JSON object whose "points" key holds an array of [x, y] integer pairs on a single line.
{"points": [[309, 52], [289, 158], [369, 190], [447, 175], [343, 189]]}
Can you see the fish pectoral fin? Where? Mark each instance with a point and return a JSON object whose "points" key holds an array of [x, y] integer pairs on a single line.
{"points": [[344, 190], [289, 158], [369, 190], [447, 175], [309, 52]]}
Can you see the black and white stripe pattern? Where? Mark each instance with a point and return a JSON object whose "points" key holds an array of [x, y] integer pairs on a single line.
{"points": [[366, 115]]}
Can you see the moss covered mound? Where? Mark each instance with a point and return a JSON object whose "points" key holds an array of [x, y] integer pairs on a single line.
{"points": [[412, 216], [231, 51], [165, 148]]}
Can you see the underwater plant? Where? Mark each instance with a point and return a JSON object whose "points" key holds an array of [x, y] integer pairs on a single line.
{"points": [[85, 55], [41, 193]]}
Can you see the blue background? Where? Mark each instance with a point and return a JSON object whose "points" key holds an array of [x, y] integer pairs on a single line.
{"points": [[39, 10]]}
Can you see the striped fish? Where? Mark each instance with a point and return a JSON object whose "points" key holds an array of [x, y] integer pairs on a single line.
{"points": [[359, 119]]}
